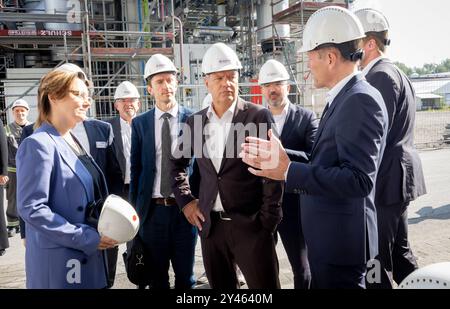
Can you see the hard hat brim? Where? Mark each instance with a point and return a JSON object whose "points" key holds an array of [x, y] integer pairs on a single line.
{"points": [[276, 80], [160, 72], [223, 69]]}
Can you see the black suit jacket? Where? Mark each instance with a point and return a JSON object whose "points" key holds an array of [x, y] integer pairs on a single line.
{"points": [[299, 132], [118, 144], [400, 178], [338, 186], [297, 137], [252, 202]]}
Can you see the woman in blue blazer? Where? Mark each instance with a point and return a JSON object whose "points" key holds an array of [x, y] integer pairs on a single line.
{"points": [[56, 181]]}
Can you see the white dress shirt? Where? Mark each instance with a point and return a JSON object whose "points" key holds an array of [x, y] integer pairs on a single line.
{"points": [[332, 94], [281, 118], [125, 132], [216, 132], [173, 123], [371, 64]]}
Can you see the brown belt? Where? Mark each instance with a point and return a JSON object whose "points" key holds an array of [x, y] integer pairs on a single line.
{"points": [[170, 201]]}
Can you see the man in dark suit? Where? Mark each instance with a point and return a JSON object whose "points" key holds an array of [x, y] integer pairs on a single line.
{"points": [[236, 212], [338, 186], [164, 231], [297, 129], [127, 104], [400, 178]]}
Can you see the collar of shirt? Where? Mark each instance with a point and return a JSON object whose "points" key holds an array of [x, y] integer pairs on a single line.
{"points": [[124, 124], [286, 108], [211, 112], [173, 111], [371, 64], [332, 94]]}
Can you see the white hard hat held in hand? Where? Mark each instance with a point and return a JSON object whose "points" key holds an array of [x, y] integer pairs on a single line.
{"points": [[126, 90], [219, 58], [272, 71], [331, 25], [159, 64], [434, 276], [118, 220]]}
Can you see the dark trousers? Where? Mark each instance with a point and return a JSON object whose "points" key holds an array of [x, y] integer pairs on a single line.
{"points": [[291, 235], [329, 276], [11, 211], [395, 255], [171, 239], [4, 243], [253, 250], [111, 255]]}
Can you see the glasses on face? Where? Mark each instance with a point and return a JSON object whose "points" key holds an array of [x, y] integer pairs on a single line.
{"points": [[81, 95]]}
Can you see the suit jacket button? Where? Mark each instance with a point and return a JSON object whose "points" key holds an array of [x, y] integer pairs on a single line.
{"points": [[220, 178], [80, 208]]}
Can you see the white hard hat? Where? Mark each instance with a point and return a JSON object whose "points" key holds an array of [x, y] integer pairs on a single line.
{"points": [[20, 103], [435, 276], [118, 220], [331, 24], [126, 90], [158, 64], [220, 57], [372, 20], [70, 67], [272, 71]]}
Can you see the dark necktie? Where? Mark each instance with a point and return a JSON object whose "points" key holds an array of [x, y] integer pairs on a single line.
{"points": [[166, 142], [325, 111]]}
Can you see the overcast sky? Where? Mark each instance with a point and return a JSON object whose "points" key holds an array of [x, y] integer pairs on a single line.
{"points": [[420, 30]]}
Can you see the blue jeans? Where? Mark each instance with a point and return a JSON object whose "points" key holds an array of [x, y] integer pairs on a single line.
{"points": [[171, 239]]}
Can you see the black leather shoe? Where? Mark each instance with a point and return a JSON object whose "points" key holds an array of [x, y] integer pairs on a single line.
{"points": [[11, 232], [2, 252]]}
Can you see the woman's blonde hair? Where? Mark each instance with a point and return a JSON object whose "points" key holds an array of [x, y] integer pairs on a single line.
{"points": [[55, 83]]}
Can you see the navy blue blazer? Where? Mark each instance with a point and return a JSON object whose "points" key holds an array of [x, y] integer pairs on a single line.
{"points": [[338, 186], [101, 146], [400, 177], [143, 157], [27, 131]]}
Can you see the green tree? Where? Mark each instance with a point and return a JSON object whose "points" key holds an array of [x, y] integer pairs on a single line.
{"points": [[408, 71]]}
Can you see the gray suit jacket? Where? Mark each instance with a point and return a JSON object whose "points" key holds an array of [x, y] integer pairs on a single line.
{"points": [[400, 178]]}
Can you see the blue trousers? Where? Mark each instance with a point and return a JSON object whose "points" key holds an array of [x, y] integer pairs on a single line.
{"points": [[171, 239]]}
